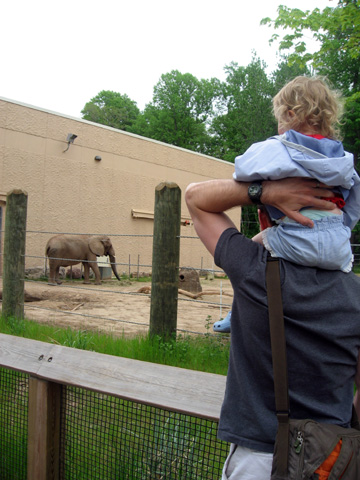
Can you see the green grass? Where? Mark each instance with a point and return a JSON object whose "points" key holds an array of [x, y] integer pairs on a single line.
{"points": [[207, 353], [356, 269]]}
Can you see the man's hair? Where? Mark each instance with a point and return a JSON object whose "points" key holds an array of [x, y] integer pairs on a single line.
{"points": [[315, 105]]}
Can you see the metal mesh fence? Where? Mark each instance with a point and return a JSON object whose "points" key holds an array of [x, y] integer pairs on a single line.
{"points": [[356, 252], [108, 438], [13, 424]]}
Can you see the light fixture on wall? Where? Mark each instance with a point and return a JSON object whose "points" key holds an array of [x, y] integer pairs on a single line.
{"points": [[70, 139], [97, 158]]}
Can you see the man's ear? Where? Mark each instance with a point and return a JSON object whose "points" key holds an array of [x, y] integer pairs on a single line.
{"points": [[264, 219]]}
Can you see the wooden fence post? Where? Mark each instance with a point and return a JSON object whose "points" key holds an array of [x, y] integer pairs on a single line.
{"points": [[14, 254], [165, 261], [44, 430]]}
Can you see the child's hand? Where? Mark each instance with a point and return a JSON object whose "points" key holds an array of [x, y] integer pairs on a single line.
{"points": [[290, 195]]}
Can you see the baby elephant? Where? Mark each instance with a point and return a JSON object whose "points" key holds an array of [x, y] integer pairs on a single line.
{"points": [[66, 250]]}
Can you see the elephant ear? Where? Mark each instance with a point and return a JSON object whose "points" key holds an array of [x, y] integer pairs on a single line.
{"points": [[96, 246]]}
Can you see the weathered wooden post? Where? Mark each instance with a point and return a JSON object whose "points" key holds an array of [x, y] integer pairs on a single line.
{"points": [[165, 261], [14, 254], [43, 430]]}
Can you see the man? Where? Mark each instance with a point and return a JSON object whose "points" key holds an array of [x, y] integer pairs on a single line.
{"points": [[322, 324]]}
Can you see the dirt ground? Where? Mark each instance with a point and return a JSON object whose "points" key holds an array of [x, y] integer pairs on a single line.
{"points": [[120, 307]]}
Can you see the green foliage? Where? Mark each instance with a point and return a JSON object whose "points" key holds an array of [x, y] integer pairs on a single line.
{"points": [[335, 29], [207, 116], [180, 111], [351, 126], [112, 109], [249, 221], [285, 72], [355, 240], [246, 103]]}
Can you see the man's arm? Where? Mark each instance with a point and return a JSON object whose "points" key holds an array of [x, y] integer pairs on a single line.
{"points": [[207, 202]]}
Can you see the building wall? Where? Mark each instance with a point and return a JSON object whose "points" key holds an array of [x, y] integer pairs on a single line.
{"points": [[70, 191]]}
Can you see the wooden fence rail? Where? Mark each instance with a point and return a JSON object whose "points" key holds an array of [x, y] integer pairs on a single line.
{"points": [[50, 367]]}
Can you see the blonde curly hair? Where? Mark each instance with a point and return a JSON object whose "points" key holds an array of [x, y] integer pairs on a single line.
{"points": [[308, 104]]}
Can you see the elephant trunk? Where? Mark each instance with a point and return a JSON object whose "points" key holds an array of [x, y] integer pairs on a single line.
{"points": [[113, 266]]}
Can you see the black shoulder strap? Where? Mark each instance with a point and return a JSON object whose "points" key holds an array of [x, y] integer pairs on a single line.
{"points": [[278, 350]]}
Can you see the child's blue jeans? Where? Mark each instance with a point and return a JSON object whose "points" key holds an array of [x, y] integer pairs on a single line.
{"points": [[326, 245]]}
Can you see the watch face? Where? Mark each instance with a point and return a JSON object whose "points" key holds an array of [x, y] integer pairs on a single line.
{"points": [[255, 189], [254, 192]]}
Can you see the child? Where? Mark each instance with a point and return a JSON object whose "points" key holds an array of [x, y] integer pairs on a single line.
{"points": [[307, 112]]}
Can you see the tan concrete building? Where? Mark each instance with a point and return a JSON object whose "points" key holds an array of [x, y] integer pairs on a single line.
{"points": [[102, 183]]}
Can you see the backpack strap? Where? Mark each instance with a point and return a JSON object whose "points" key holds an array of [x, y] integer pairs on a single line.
{"points": [[278, 350], [354, 419]]}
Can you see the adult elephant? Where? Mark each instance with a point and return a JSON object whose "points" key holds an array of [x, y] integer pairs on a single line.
{"points": [[66, 250]]}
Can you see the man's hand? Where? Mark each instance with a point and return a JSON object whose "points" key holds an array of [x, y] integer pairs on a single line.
{"points": [[291, 194]]}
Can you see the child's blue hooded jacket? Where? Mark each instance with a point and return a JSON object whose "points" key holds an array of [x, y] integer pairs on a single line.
{"points": [[271, 160]]}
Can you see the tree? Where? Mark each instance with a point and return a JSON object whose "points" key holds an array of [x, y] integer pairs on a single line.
{"points": [[180, 111], [246, 104], [112, 109], [337, 31], [351, 127], [286, 72]]}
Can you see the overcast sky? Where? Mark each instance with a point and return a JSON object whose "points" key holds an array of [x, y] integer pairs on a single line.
{"points": [[57, 55]]}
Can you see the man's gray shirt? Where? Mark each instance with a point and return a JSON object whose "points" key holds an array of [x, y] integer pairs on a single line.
{"points": [[322, 325]]}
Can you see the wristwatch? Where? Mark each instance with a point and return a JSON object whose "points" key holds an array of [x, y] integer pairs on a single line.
{"points": [[255, 192]]}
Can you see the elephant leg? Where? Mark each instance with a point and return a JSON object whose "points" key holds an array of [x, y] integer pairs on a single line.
{"points": [[96, 270], [86, 272], [52, 280], [57, 275]]}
